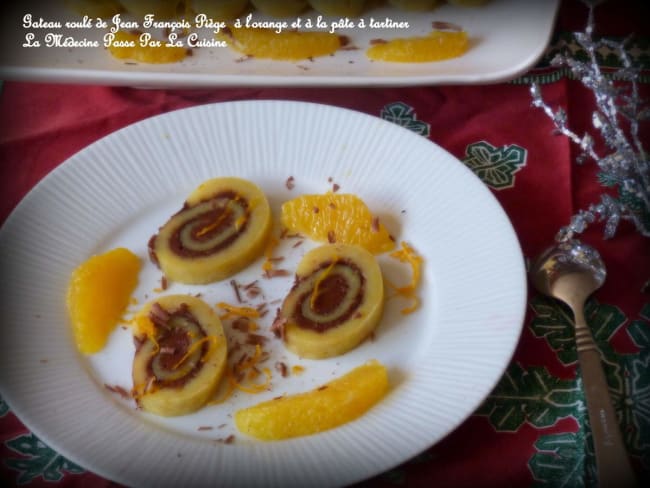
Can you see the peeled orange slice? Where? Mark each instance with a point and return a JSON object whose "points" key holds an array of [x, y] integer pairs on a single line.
{"points": [[331, 405], [336, 218], [437, 46], [288, 45], [98, 294]]}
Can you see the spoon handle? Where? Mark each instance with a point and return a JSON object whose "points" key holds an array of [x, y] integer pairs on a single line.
{"points": [[614, 469]]}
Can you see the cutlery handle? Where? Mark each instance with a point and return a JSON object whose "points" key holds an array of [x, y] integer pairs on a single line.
{"points": [[613, 463]]}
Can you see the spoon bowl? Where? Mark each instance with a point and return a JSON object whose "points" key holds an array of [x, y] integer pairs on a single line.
{"points": [[568, 271], [571, 271]]}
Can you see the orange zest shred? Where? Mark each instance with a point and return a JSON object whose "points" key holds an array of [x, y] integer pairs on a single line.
{"points": [[408, 255], [268, 253], [297, 369], [249, 371], [319, 280], [213, 343], [233, 310], [255, 387], [215, 223]]}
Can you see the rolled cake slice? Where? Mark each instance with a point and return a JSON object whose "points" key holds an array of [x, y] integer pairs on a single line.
{"points": [[180, 355], [222, 228], [335, 303]]}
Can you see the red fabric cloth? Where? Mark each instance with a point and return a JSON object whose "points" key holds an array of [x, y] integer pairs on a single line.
{"points": [[41, 125]]}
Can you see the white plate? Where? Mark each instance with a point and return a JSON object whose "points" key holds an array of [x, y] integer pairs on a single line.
{"points": [[508, 37], [443, 360]]}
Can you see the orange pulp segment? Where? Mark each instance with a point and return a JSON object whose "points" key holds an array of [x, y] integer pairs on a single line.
{"points": [[288, 45], [98, 294], [437, 46], [336, 217], [330, 405], [126, 45]]}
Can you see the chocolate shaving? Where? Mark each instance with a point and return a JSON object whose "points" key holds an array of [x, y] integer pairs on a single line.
{"points": [[235, 287], [163, 282], [205, 427], [374, 42], [290, 183], [282, 369], [253, 292], [158, 315], [278, 325], [119, 390], [228, 440], [256, 340], [241, 324], [336, 187], [320, 388], [440, 25], [274, 273], [297, 244], [331, 237]]}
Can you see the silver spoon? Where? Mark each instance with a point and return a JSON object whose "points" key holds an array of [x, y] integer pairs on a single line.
{"points": [[571, 271]]}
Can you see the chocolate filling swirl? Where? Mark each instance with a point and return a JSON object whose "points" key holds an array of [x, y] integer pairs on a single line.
{"points": [[175, 363], [329, 296], [207, 227]]}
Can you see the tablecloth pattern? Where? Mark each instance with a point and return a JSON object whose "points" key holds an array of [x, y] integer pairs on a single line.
{"points": [[533, 429]]}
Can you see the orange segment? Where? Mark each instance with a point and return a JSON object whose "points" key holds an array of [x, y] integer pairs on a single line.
{"points": [[332, 404], [284, 46], [126, 45], [336, 217], [437, 46], [98, 294]]}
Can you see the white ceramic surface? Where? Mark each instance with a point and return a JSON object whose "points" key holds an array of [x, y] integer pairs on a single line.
{"points": [[443, 360], [507, 38]]}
